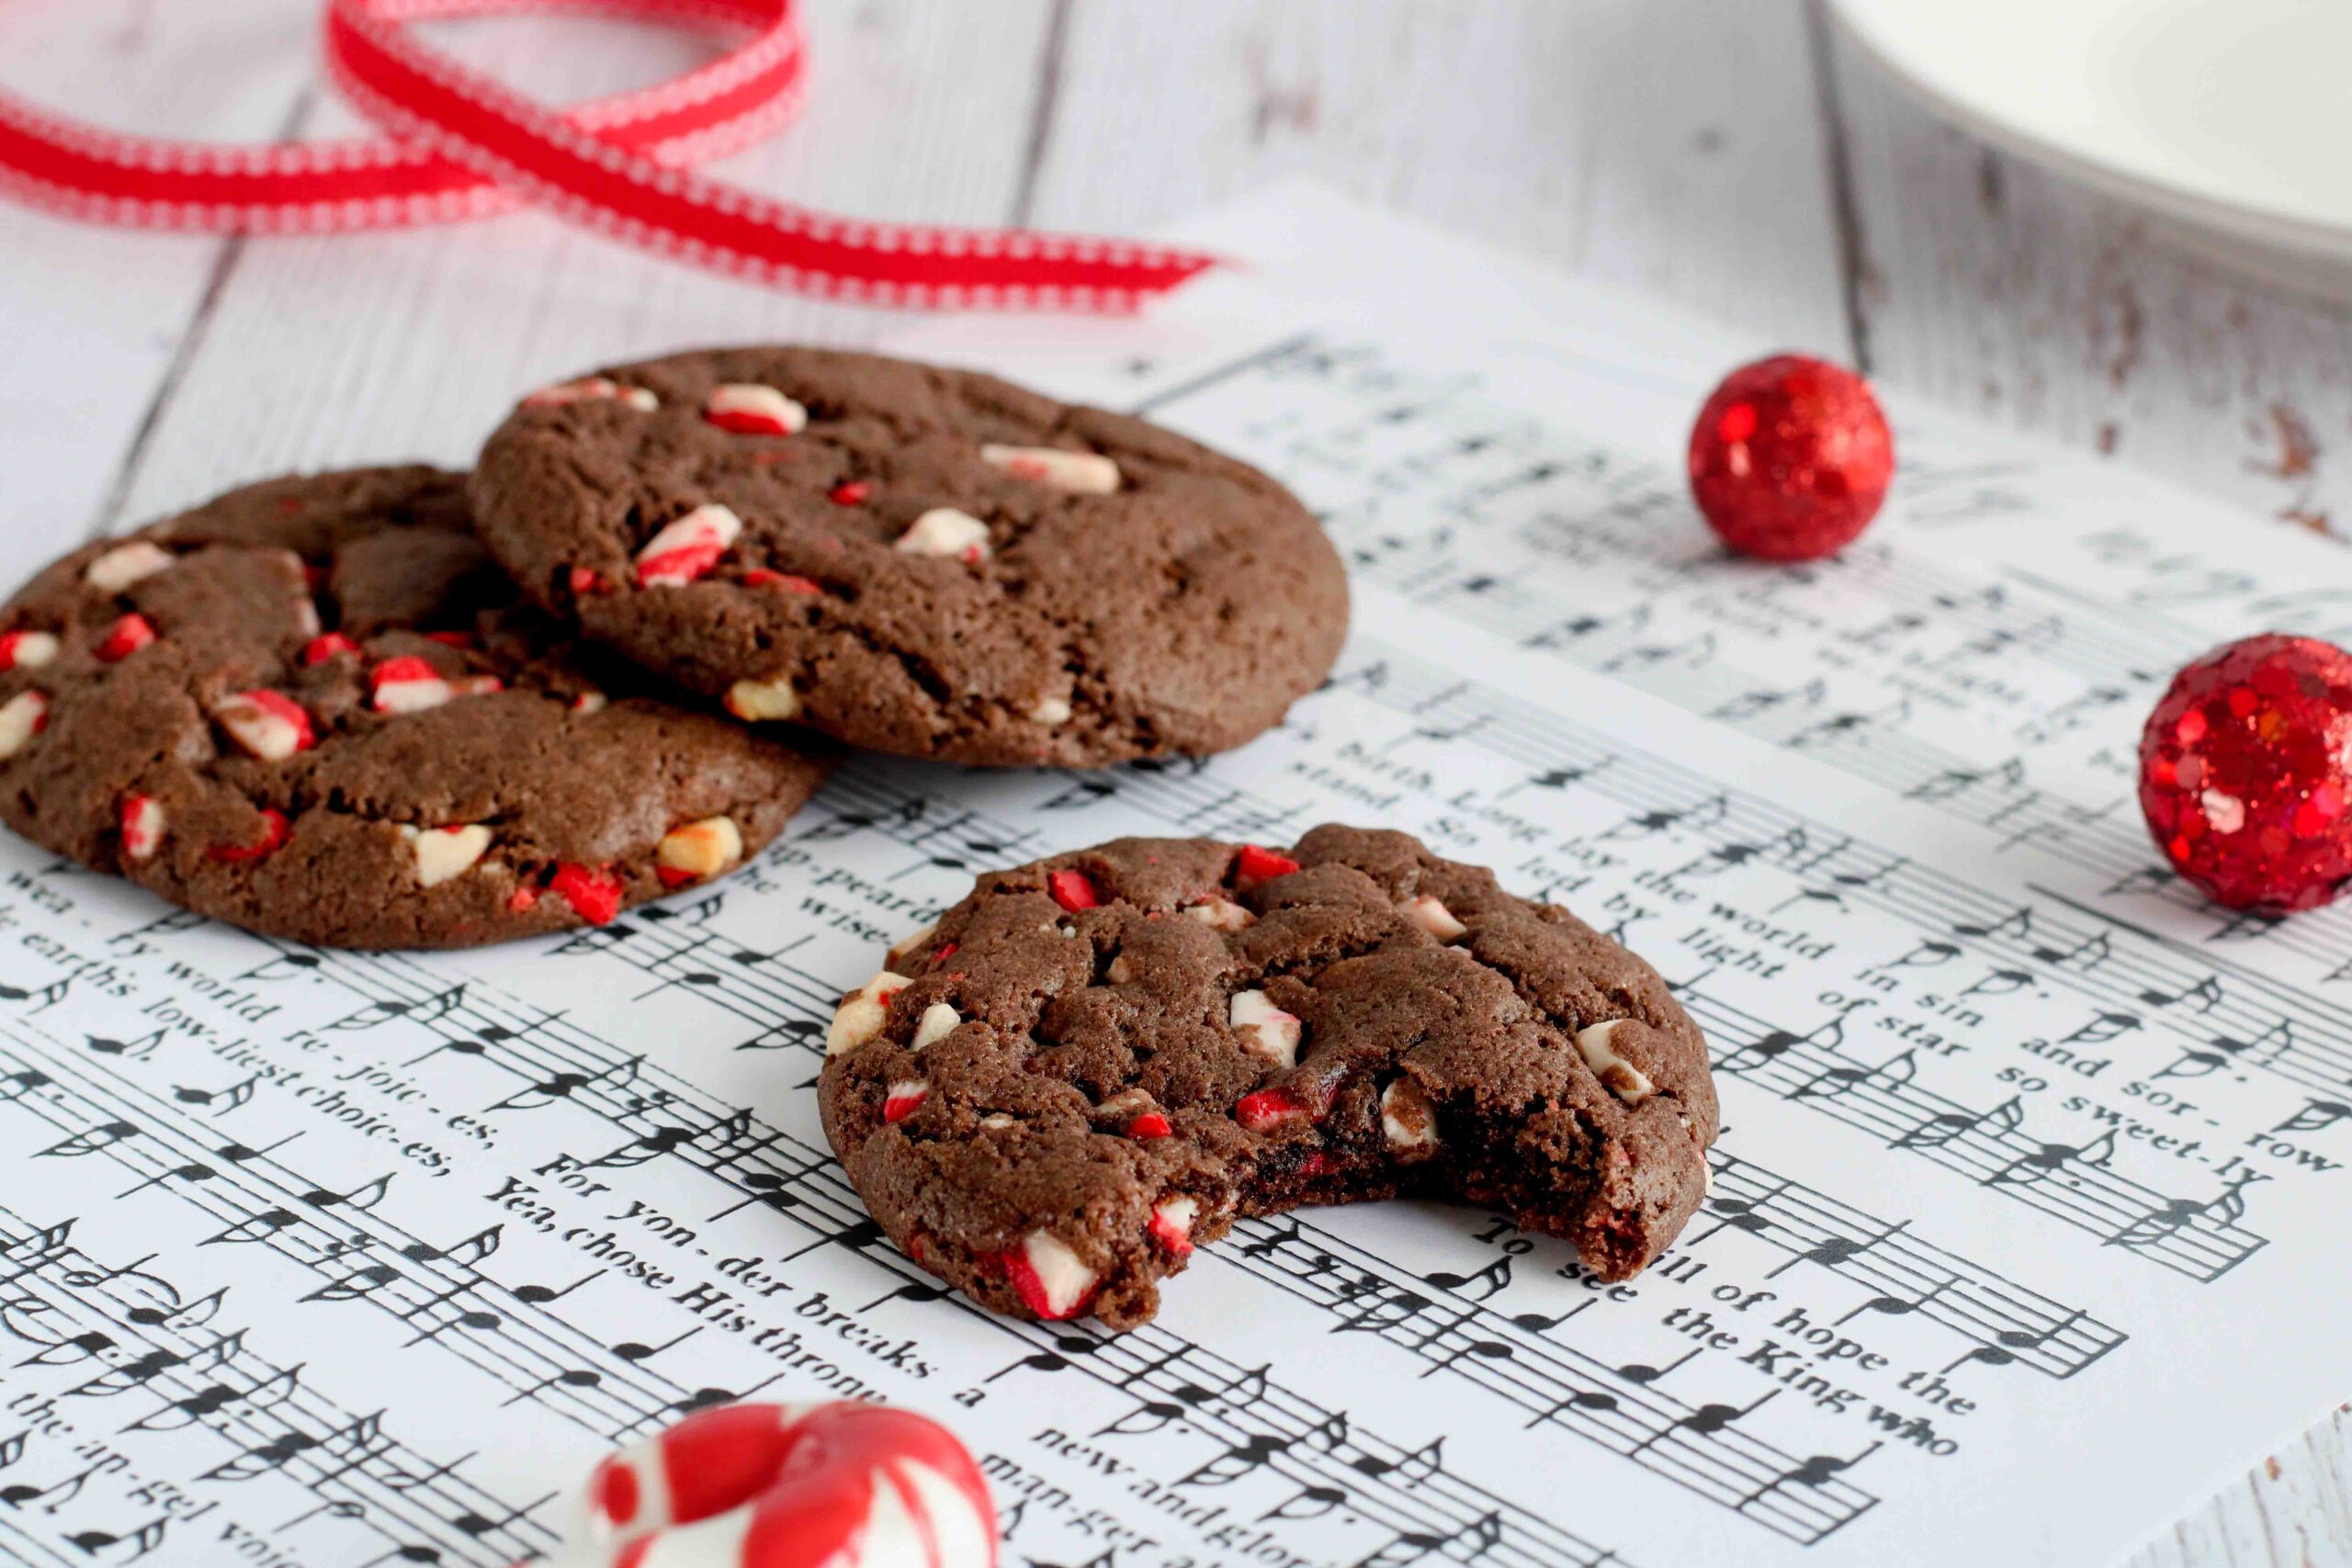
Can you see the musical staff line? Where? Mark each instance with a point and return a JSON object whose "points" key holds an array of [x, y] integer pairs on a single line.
{"points": [[2006, 1322], [371, 1262], [1567, 504], [384, 1482], [2070, 1183], [2127, 985], [1556, 1384], [769, 1169]]}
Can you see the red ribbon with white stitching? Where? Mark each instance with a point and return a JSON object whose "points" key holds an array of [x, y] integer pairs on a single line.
{"points": [[461, 145]]}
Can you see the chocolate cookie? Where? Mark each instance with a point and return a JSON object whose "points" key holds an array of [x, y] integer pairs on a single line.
{"points": [[315, 707], [1098, 1062], [925, 561]]}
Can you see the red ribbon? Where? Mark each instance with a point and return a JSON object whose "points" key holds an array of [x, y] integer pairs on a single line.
{"points": [[462, 145]]}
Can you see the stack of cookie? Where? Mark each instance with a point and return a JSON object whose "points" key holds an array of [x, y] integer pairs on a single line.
{"points": [[402, 708], [405, 708]]}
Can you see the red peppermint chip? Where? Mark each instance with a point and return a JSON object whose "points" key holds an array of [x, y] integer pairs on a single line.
{"points": [[904, 1100], [27, 650], [522, 901], [1051, 1280], [943, 953], [749, 408], [125, 637], [270, 725], [319, 650], [1271, 1107], [1255, 865], [273, 834], [1171, 1223], [585, 583], [686, 549], [1150, 1124], [850, 492], [1071, 890], [406, 684], [142, 827], [593, 892]]}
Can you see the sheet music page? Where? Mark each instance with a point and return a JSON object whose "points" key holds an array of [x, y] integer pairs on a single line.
{"points": [[2026, 1226]]}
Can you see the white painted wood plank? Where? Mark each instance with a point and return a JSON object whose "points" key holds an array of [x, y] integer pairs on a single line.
{"points": [[94, 317], [1995, 286], [1673, 146], [348, 349]]}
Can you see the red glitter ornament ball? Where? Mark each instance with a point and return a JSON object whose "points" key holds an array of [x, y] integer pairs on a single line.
{"points": [[2246, 769], [1791, 458]]}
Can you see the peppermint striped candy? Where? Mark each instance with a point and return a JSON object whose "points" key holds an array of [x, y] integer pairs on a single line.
{"points": [[840, 1485]]}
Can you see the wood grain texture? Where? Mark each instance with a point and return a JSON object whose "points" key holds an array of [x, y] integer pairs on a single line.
{"points": [[1727, 153], [1673, 147], [1996, 286], [93, 327], [411, 344]]}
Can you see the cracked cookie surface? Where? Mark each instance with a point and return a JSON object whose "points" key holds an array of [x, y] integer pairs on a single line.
{"points": [[316, 708], [1098, 1062], [918, 561]]}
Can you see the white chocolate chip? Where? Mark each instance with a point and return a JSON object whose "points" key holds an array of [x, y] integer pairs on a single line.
{"points": [[1082, 473], [1171, 1223], [1626, 1081], [443, 852], [27, 650], [701, 849], [266, 724], [306, 617], [1119, 970], [126, 564], [142, 827], [1051, 710], [943, 531], [593, 389], [2225, 812], [749, 408], [1126, 1104], [938, 1022], [1220, 914], [912, 940], [863, 1013], [23, 717], [1062, 1275], [688, 547], [1265, 1028], [771, 699], [1409, 1119], [1434, 917], [414, 695], [996, 1119]]}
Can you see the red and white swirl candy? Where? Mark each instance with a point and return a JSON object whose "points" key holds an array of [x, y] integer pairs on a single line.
{"points": [[839, 1485]]}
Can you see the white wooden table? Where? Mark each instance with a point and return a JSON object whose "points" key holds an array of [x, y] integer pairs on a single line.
{"points": [[1732, 155]]}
